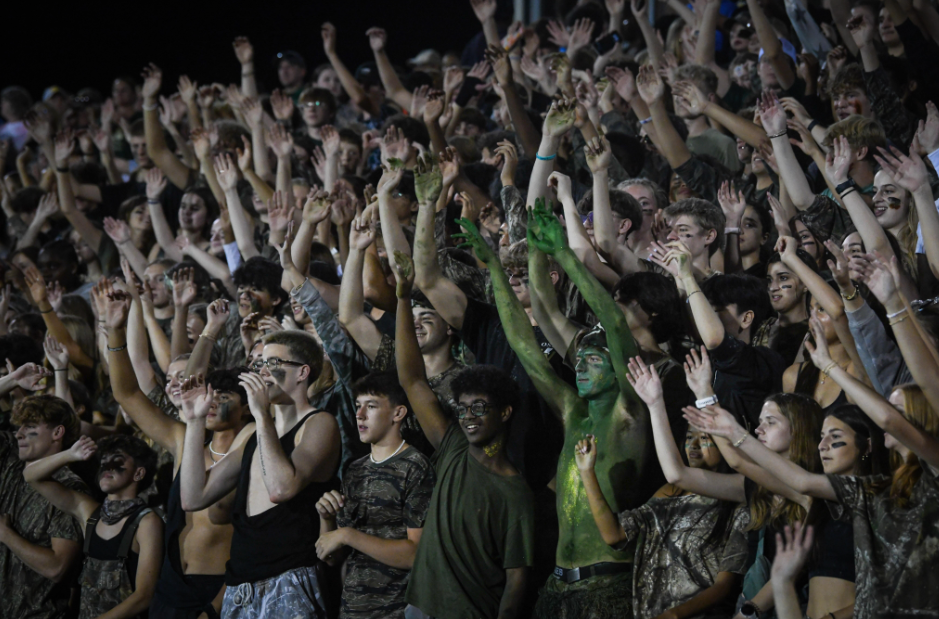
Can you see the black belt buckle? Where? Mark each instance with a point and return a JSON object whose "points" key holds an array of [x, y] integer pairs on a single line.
{"points": [[566, 575]]}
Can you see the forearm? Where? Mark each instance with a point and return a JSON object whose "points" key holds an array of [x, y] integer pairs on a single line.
{"points": [[208, 171], [710, 328], [671, 145], [262, 164], [202, 352], [873, 235], [32, 232], [277, 470], [44, 468], [544, 166], [44, 561], [249, 84], [656, 51], [772, 48], [603, 213], [610, 529], [138, 262], [707, 41], [397, 553], [284, 177], [141, 377], [744, 129], [513, 594], [918, 354], [300, 250], [61, 386], [426, 267], [173, 168], [242, 225], [722, 588], [215, 267], [557, 328], [794, 475], [827, 297], [163, 233], [785, 599], [160, 343], [841, 13], [186, 152], [790, 173], [193, 476], [526, 131], [179, 342], [56, 327], [260, 186], [350, 84], [107, 161], [869, 58], [394, 89], [391, 231]]}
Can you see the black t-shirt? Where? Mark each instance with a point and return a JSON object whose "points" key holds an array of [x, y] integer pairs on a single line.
{"points": [[536, 435], [743, 376]]}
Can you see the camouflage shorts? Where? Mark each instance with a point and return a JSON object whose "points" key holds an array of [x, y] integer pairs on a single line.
{"points": [[292, 595], [599, 597]]}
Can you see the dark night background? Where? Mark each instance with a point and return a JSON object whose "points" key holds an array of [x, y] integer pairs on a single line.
{"points": [[90, 44]]}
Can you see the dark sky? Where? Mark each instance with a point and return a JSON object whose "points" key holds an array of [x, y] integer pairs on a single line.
{"points": [[92, 44]]}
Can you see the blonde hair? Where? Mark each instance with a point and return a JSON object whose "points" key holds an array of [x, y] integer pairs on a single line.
{"points": [[918, 411], [860, 132]]}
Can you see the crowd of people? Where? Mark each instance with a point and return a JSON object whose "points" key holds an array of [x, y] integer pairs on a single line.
{"points": [[629, 312]]}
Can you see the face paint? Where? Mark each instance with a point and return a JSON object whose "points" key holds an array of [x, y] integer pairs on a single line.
{"points": [[279, 374], [838, 445], [255, 304], [894, 203], [493, 449], [224, 412]]}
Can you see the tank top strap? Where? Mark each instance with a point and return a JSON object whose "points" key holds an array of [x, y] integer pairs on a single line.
{"points": [[90, 525], [129, 532]]}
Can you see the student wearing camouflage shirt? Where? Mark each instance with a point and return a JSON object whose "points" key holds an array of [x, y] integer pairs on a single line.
{"points": [[39, 544], [379, 515]]}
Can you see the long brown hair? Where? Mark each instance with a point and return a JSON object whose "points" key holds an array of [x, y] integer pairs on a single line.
{"points": [[805, 420], [917, 411]]}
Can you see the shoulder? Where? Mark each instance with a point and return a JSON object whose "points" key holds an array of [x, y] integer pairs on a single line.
{"points": [[151, 523], [317, 426], [790, 376]]}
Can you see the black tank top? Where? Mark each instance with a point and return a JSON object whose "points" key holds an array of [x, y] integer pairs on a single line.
{"points": [[173, 589], [277, 540], [107, 549], [833, 555]]}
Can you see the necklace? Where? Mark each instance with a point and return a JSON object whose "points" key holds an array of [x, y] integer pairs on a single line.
{"points": [[215, 453], [374, 461]]}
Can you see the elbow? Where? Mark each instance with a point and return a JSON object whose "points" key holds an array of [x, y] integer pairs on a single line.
{"points": [[613, 539], [58, 572], [281, 495], [674, 476]]}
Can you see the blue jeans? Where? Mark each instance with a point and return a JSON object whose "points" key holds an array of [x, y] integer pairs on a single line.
{"points": [[292, 595]]}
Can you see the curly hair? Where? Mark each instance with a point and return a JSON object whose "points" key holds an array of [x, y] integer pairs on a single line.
{"points": [[143, 455], [50, 410], [497, 385]]}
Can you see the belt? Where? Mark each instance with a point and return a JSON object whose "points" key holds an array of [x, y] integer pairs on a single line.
{"points": [[597, 569]]}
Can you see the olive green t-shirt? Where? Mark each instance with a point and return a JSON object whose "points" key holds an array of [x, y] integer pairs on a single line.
{"points": [[479, 524]]}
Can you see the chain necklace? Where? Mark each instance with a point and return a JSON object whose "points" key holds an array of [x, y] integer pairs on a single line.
{"points": [[215, 453], [374, 461]]}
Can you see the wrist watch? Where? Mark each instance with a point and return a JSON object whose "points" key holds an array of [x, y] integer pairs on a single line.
{"points": [[749, 609], [840, 189]]}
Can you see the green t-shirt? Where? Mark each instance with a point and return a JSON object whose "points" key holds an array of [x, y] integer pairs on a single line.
{"points": [[479, 524], [714, 143]]}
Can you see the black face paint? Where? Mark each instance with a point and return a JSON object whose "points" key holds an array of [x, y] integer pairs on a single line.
{"points": [[786, 287], [279, 374], [255, 304], [838, 445], [111, 465], [894, 203], [224, 411]]}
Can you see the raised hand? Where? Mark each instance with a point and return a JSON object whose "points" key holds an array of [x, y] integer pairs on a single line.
{"points": [[691, 96], [39, 125], [715, 421], [545, 231], [48, 206], [362, 234], [245, 160], [787, 247], [908, 172], [562, 186], [328, 32], [282, 105], [152, 80], [156, 183], [533, 69], [645, 381], [254, 113], [839, 160], [316, 207], [877, 276], [650, 85], [506, 150], [598, 153], [733, 204], [82, 449], [791, 552], [342, 209], [668, 68], [187, 89], [56, 353], [473, 240], [395, 145], [27, 375], [428, 180], [184, 287], [585, 453], [279, 211], [449, 165], [452, 80], [499, 59], [226, 172], [377, 38], [258, 400], [217, 314], [679, 255], [196, 398], [580, 35], [433, 109], [64, 147], [862, 29], [926, 139], [772, 114], [117, 229], [560, 117], [798, 111], [36, 284], [243, 50], [118, 304], [484, 9], [623, 82], [841, 267], [280, 140], [698, 372], [404, 274], [206, 96]]}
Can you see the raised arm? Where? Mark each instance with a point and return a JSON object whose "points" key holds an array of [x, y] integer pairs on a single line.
{"points": [[54, 324], [772, 47], [64, 147], [165, 431], [652, 91], [559, 120], [391, 231], [410, 364], [241, 223], [39, 474], [348, 81], [177, 172], [640, 10], [502, 68], [707, 40], [697, 103], [773, 117], [446, 297], [394, 89], [645, 381], [244, 51], [562, 399], [351, 293], [156, 184]]}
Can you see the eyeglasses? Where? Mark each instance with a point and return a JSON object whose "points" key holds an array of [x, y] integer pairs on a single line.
{"points": [[310, 104], [273, 363], [477, 408]]}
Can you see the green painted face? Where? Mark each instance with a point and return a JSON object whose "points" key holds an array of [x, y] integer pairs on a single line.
{"points": [[595, 373]]}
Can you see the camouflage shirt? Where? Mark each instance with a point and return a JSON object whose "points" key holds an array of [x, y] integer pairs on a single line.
{"points": [[23, 592], [383, 500], [899, 124], [896, 549], [673, 563]]}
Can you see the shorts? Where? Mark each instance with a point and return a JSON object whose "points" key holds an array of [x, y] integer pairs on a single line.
{"points": [[295, 594], [599, 597]]}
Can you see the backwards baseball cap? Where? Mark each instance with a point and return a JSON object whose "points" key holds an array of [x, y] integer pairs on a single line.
{"points": [[52, 91], [367, 74], [426, 57], [788, 48], [290, 56]]}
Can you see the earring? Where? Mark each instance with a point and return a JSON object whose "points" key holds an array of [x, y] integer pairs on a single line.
{"points": [[866, 456]]}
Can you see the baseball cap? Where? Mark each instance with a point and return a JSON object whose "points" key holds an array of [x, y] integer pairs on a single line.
{"points": [[426, 57], [290, 56]]}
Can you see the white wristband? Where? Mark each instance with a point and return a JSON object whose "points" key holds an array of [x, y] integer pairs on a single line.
{"points": [[731, 230], [711, 401]]}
